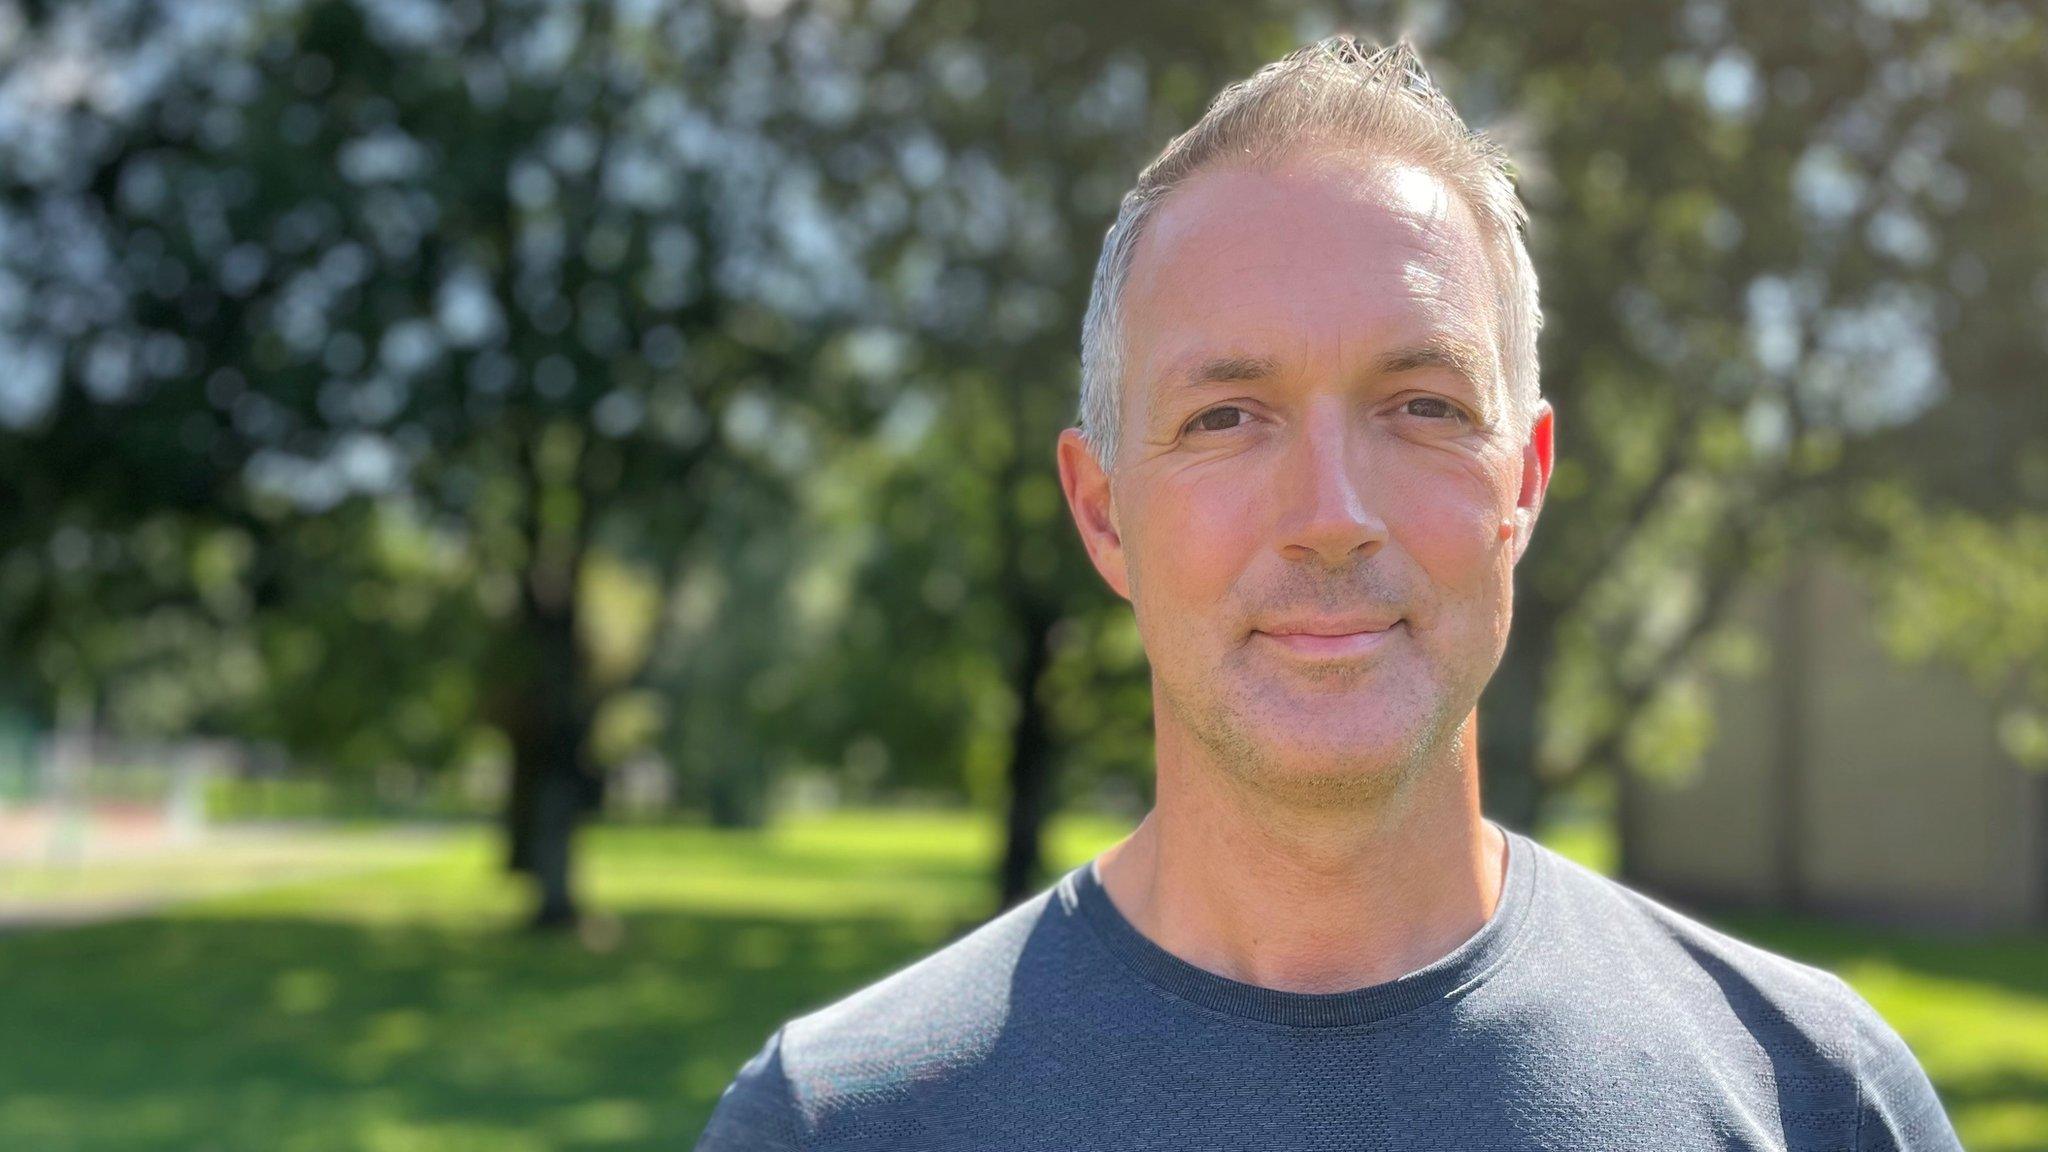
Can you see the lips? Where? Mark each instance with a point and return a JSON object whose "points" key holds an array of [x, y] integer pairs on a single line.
{"points": [[1331, 638]]}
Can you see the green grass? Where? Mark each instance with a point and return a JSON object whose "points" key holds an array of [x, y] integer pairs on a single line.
{"points": [[398, 1009]]}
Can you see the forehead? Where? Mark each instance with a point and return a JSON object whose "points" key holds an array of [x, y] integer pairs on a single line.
{"points": [[1327, 259]]}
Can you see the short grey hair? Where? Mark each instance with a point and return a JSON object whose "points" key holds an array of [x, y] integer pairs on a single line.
{"points": [[1342, 92]]}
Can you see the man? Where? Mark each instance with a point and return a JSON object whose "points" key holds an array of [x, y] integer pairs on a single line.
{"points": [[1311, 452]]}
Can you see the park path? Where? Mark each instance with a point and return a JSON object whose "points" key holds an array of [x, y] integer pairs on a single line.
{"points": [[101, 877]]}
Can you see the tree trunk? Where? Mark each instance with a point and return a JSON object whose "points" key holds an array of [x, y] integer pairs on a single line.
{"points": [[519, 809], [738, 793], [1030, 767], [551, 785], [555, 818], [1509, 714], [1628, 830]]}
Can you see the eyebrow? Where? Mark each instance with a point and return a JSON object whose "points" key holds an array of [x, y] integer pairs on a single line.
{"points": [[1437, 351], [1446, 352], [1229, 370]]}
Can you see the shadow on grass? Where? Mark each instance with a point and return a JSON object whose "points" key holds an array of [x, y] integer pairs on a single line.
{"points": [[403, 1011], [276, 1033]]}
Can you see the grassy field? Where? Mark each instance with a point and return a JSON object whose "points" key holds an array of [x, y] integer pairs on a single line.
{"points": [[395, 1009]]}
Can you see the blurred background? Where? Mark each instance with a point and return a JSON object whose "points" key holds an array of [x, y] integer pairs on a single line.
{"points": [[530, 553]]}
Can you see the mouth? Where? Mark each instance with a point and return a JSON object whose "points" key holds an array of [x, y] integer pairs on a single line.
{"points": [[1327, 645]]}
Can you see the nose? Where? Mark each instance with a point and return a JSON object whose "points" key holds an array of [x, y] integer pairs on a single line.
{"points": [[1326, 511]]}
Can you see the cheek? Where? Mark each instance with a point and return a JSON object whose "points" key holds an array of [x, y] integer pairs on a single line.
{"points": [[1448, 522], [1200, 530]]}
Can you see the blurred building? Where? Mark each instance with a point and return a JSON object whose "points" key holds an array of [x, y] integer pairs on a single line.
{"points": [[1842, 781]]}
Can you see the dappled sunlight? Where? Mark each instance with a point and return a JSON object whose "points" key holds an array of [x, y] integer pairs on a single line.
{"points": [[173, 1033], [403, 1009]]}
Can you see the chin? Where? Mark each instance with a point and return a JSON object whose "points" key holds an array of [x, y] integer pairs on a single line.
{"points": [[1342, 767], [1329, 785]]}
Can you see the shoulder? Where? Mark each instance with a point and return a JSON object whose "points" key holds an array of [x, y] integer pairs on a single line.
{"points": [[754, 1112], [1607, 919], [940, 1010], [1810, 1022], [919, 1026], [1898, 1108]]}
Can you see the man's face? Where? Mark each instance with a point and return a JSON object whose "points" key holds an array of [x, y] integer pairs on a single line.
{"points": [[1322, 488]]}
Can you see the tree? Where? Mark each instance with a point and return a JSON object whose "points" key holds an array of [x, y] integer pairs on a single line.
{"points": [[521, 277], [1756, 226]]}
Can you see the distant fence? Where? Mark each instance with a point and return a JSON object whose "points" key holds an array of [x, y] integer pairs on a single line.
{"points": [[73, 795]]}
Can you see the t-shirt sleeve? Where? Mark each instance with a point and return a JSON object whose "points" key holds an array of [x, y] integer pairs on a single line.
{"points": [[755, 1113], [1897, 1109]]}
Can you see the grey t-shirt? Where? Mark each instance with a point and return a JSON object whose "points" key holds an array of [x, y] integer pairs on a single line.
{"points": [[1583, 1015]]}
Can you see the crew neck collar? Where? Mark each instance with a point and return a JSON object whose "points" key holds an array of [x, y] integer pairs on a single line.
{"points": [[1453, 974]]}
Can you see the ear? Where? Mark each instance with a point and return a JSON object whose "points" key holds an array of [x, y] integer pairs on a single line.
{"points": [[1088, 498], [1536, 458]]}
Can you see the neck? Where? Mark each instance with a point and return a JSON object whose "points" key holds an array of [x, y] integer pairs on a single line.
{"points": [[1310, 899]]}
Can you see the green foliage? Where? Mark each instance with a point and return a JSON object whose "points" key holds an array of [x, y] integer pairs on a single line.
{"points": [[1973, 593], [463, 328], [359, 360]]}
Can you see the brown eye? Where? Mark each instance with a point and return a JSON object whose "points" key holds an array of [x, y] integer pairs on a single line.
{"points": [[1211, 421], [1438, 409]]}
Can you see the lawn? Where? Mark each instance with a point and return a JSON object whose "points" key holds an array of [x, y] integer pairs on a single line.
{"points": [[395, 1009]]}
